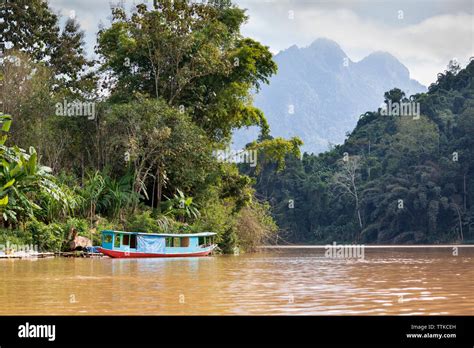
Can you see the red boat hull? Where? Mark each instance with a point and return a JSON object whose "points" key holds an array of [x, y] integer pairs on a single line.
{"points": [[134, 255]]}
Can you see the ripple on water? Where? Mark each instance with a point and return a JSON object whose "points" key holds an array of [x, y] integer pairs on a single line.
{"points": [[294, 282]]}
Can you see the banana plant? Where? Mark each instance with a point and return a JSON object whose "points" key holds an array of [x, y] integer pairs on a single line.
{"points": [[181, 207], [6, 123], [5, 154], [119, 195], [22, 179], [91, 192]]}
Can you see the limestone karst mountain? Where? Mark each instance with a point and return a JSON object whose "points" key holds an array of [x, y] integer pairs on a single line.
{"points": [[319, 93]]}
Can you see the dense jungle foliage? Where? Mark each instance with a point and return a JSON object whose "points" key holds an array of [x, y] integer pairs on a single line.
{"points": [[126, 141], [396, 179]]}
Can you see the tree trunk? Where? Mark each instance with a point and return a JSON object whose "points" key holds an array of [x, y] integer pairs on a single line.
{"points": [[465, 192], [360, 219], [460, 223], [82, 169], [158, 188], [153, 193], [356, 196]]}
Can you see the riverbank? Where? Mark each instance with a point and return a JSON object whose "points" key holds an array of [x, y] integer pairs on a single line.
{"points": [[85, 254], [42, 255]]}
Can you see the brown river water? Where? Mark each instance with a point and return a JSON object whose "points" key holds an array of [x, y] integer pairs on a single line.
{"points": [[282, 281]]}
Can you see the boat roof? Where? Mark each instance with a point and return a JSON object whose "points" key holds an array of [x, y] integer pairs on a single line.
{"points": [[200, 234]]}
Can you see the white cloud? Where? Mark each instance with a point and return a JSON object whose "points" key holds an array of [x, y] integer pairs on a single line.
{"points": [[425, 47], [429, 35]]}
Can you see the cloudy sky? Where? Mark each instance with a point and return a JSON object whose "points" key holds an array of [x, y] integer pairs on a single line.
{"points": [[423, 34]]}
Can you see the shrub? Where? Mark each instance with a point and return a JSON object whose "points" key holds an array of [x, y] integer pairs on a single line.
{"points": [[80, 225], [254, 226], [18, 237], [145, 222], [46, 237], [102, 224], [182, 227], [218, 217]]}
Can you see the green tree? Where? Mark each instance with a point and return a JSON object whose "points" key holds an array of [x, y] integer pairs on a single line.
{"points": [[193, 56], [162, 145], [31, 27]]}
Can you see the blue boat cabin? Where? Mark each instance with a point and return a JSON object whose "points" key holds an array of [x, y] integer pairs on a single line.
{"points": [[155, 243]]}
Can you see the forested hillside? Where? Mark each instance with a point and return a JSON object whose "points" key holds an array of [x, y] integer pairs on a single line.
{"points": [[396, 179]]}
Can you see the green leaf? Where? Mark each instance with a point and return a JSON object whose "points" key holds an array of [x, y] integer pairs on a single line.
{"points": [[8, 184], [4, 201], [6, 125]]}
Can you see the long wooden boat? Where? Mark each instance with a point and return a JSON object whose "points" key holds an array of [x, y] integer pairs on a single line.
{"points": [[120, 244]]}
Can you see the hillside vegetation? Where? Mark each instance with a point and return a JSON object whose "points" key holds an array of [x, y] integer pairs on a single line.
{"points": [[396, 179]]}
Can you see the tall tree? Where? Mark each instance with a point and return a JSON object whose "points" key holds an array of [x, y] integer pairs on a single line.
{"points": [[69, 59], [346, 182], [193, 56], [29, 26]]}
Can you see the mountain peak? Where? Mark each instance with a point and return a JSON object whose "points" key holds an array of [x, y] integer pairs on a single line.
{"points": [[381, 61], [381, 56], [326, 47], [324, 43]]}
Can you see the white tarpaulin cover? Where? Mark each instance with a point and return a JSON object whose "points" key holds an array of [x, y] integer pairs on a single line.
{"points": [[150, 244]]}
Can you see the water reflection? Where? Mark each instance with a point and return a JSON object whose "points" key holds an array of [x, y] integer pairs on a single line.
{"points": [[409, 281]]}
